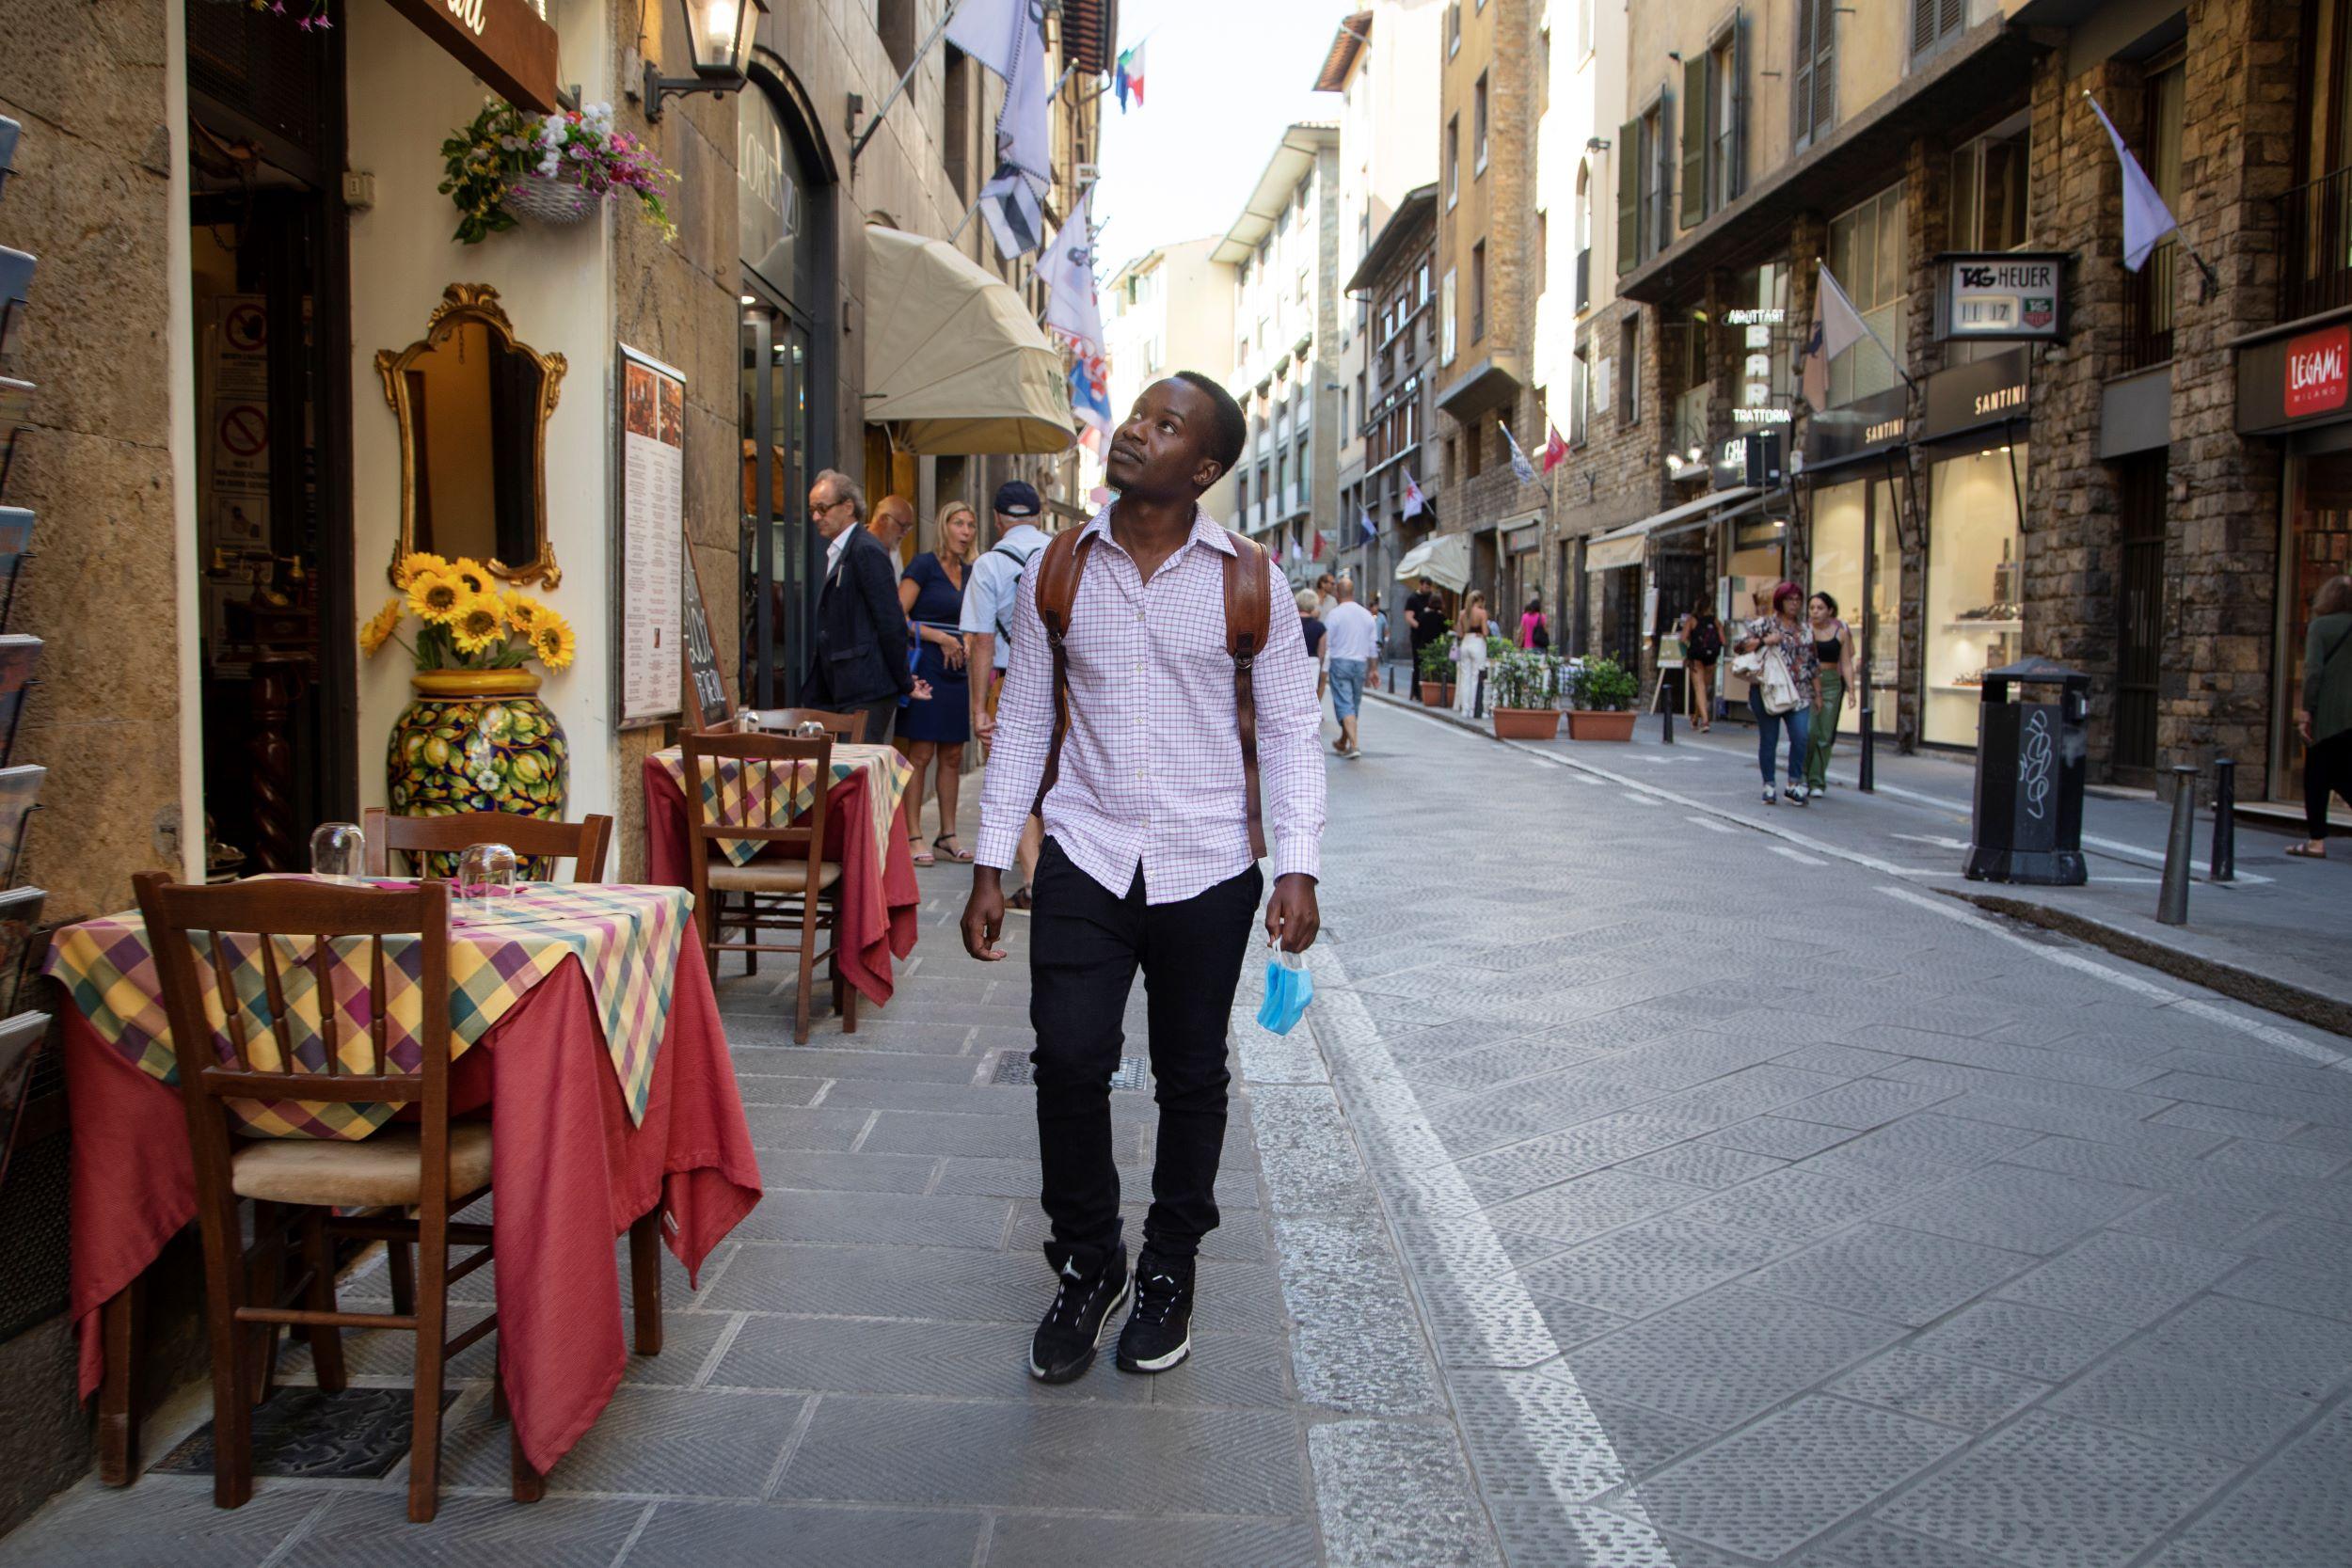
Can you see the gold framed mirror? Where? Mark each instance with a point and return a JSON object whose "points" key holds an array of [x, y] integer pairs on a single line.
{"points": [[472, 401]]}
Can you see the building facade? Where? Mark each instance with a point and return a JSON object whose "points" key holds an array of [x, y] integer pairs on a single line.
{"points": [[1395, 283], [1171, 310]]}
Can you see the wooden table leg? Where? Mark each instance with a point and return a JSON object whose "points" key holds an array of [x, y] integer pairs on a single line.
{"points": [[644, 1279], [117, 1394]]}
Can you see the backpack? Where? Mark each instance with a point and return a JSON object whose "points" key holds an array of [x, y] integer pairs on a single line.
{"points": [[1707, 642], [1541, 638], [1248, 622]]}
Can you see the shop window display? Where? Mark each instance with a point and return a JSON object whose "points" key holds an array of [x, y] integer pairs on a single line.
{"points": [[1975, 614], [2318, 544], [1854, 525]]}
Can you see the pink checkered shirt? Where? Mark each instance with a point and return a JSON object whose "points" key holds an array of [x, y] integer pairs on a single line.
{"points": [[1150, 770]]}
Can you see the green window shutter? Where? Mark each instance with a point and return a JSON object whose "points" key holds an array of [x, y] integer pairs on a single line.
{"points": [[1628, 194], [1737, 155], [1694, 140], [1801, 79]]}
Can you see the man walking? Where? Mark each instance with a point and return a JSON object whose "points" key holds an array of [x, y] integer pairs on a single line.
{"points": [[860, 660], [1352, 636], [893, 519], [1425, 618], [986, 626], [1151, 853]]}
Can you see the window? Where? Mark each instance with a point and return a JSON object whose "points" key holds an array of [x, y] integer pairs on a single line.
{"points": [[1445, 318], [1300, 471], [1543, 73], [1453, 160], [1540, 265], [957, 152], [1989, 187], [1244, 493], [1452, 467], [1629, 370], [1302, 283], [1584, 235], [1453, 29], [2150, 294], [1714, 126], [1299, 199], [1934, 23], [1580, 398], [1478, 292], [1362, 406], [1813, 84], [1584, 9], [1866, 255], [1478, 121], [1420, 287], [1265, 488], [1282, 482]]}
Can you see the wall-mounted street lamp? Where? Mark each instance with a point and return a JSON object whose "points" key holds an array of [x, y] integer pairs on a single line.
{"points": [[719, 44]]}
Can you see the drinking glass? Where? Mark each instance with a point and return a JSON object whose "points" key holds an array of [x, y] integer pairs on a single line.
{"points": [[812, 729], [339, 852], [486, 878]]}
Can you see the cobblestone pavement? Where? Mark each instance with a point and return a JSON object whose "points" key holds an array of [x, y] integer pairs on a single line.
{"points": [[1640, 1195]]}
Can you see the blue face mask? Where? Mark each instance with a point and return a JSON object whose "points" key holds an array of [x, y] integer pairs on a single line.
{"points": [[1288, 989]]}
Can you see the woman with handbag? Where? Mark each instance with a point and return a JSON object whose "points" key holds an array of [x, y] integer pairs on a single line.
{"points": [[2324, 715], [1775, 653], [1470, 654]]}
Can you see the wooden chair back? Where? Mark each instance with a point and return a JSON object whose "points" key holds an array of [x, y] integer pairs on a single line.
{"points": [[763, 788], [848, 729], [583, 843]]}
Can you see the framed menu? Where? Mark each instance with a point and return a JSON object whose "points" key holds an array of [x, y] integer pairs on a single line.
{"points": [[652, 551]]}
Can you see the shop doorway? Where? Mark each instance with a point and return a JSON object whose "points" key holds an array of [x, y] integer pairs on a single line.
{"points": [[2139, 613], [1621, 615], [778, 582], [270, 274], [1682, 582], [2318, 542]]}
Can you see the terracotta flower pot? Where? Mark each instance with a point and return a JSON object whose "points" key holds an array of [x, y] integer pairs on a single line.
{"points": [[1587, 724], [1437, 694], [477, 740], [1526, 723]]}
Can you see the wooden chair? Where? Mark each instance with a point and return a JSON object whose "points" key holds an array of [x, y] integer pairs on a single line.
{"points": [[435, 1168], [582, 843], [846, 729], [798, 890]]}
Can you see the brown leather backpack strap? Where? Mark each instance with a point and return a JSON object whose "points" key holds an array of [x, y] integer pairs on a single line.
{"points": [[1059, 566], [1248, 620]]}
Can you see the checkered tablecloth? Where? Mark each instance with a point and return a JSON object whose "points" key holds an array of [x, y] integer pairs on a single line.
{"points": [[625, 938], [735, 791]]}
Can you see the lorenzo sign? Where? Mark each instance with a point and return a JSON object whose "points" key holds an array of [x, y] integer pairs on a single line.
{"points": [[2005, 294], [505, 42], [2285, 382]]}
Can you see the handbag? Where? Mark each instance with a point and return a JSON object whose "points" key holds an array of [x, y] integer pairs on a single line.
{"points": [[1749, 665], [1779, 687]]}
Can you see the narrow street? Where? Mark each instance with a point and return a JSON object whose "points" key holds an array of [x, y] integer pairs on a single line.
{"points": [[1643, 1196]]}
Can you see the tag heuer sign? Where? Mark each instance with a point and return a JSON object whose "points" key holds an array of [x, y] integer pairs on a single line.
{"points": [[2001, 294]]}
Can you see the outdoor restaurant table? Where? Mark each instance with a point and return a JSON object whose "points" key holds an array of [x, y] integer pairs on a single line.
{"points": [[865, 830], [588, 1030]]}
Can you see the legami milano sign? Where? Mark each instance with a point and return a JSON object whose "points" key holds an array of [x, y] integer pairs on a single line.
{"points": [[2315, 373], [2293, 379]]}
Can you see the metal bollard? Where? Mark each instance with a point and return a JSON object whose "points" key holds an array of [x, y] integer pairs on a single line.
{"points": [[1478, 698], [1869, 734], [2223, 866], [2172, 897], [1665, 713]]}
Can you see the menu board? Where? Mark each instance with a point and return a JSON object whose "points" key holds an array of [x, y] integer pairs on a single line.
{"points": [[653, 536], [707, 690]]}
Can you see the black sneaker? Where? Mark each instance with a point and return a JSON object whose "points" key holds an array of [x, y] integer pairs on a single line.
{"points": [[1159, 1331], [1063, 1348]]}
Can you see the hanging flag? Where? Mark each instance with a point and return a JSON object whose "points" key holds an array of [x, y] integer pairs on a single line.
{"points": [[1090, 399], [1015, 214], [1005, 35], [1555, 450], [1372, 529], [2146, 218], [1066, 270], [1129, 80], [1837, 327], [1414, 505], [1316, 554], [1521, 469]]}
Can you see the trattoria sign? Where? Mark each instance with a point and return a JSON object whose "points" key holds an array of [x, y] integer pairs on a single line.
{"points": [[505, 42], [2001, 296], [2296, 379]]}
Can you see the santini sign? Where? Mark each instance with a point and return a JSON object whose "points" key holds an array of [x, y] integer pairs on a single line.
{"points": [[2007, 295]]}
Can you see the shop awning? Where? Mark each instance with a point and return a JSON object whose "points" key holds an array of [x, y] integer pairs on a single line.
{"points": [[1444, 561], [954, 364], [1622, 546]]}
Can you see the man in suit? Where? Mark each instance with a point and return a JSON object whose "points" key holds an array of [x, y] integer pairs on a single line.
{"points": [[859, 661]]}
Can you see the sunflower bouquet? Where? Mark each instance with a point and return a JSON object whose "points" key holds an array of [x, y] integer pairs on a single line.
{"points": [[468, 623]]}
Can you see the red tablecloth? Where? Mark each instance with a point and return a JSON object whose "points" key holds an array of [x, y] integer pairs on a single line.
{"points": [[571, 1171], [879, 893]]}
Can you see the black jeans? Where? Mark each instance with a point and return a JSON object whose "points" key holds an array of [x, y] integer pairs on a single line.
{"points": [[1086, 944], [2327, 766], [879, 718]]}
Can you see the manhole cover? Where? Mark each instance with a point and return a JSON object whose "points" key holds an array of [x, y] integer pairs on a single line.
{"points": [[1135, 1072], [308, 1434]]}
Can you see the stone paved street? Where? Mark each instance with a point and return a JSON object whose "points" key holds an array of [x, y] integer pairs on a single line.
{"points": [[1643, 1196]]}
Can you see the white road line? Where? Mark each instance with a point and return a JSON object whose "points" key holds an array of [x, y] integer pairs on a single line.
{"points": [[2161, 995], [1557, 1424], [1798, 855], [1713, 826], [2090, 841], [1641, 799]]}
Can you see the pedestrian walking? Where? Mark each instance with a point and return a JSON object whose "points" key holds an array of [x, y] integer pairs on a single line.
{"points": [[1310, 625], [1702, 646], [932, 592], [859, 661], [1783, 679], [1470, 654], [2324, 717], [1425, 619], [987, 624], [893, 520], [1351, 641], [1327, 594], [1838, 688], [1143, 750], [1534, 626]]}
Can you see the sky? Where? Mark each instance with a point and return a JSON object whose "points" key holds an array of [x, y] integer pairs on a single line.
{"points": [[1223, 77]]}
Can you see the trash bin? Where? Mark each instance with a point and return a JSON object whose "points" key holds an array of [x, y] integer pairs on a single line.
{"points": [[2029, 777]]}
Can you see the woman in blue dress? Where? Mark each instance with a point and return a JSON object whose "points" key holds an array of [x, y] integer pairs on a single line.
{"points": [[932, 592]]}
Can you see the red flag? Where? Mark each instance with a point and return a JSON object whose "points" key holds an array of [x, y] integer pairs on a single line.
{"points": [[1318, 549], [1555, 450]]}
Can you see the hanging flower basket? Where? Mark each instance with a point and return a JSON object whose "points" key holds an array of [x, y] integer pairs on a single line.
{"points": [[508, 165], [559, 200]]}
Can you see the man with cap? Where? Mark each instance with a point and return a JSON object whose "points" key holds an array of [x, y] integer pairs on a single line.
{"points": [[989, 591]]}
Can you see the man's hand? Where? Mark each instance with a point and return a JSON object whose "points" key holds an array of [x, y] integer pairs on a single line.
{"points": [[984, 725], [984, 914], [1290, 916]]}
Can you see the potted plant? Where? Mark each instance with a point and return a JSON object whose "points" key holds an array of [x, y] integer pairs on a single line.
{"points": [[476, 737], [1603, 702], [1435, 666], [1527, 696], [554, 168]]}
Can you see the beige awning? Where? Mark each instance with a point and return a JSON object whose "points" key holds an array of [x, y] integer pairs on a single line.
{"points": [[954, 364], [1444, 560]]}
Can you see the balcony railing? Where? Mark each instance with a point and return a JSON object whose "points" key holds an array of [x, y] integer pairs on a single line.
{"points": [[2315, 273], [2149, 296]]}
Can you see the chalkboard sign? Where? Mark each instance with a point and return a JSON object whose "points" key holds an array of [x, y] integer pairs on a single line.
{"points": [[704, 683]]}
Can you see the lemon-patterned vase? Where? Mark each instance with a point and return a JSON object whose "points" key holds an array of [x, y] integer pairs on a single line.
{"points": [[477, 740]]}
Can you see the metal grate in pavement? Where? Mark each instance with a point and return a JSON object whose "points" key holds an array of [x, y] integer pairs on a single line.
{"points": [[1012, 1067]]}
